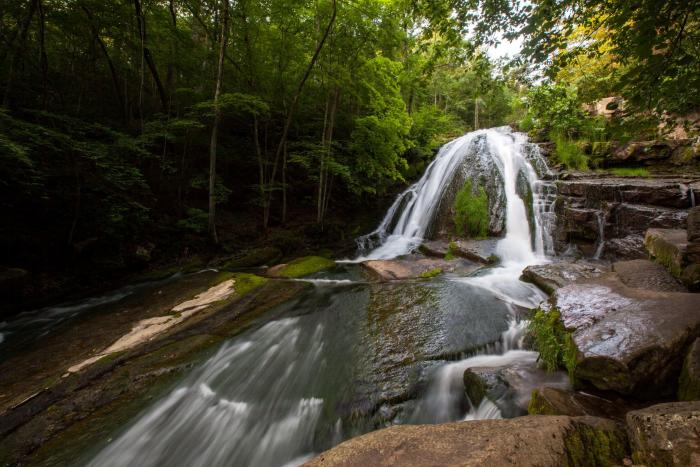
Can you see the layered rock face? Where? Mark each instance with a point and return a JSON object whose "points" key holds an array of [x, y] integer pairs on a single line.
{"points": [[617, 212]]}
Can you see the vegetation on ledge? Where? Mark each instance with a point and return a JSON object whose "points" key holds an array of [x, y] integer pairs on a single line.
{"points": [[471, 209], [553, 342], [304, 266]]}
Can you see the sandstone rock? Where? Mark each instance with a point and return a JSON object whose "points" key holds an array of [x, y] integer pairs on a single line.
{"points": [[628, 340], [668, 247], [550, 277], [689, 383], [694, 225], [665, 434], [647, 275], [627, 247], [555, 401], [523, 441]]}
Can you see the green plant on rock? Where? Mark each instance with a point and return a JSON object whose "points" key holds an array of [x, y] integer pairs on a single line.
{"points": [[431, 273], [554, 343], [471, 209], [451, 249], [569, 152]]}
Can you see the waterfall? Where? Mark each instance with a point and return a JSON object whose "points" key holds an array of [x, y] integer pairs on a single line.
{"points": [[410, 217], [600, 217]]}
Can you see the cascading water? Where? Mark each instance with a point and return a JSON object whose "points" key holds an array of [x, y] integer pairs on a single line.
{"points": [[333, 362]]}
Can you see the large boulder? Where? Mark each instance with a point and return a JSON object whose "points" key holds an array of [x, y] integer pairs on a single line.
{"points": [[668, 247], [689, 383], [383, 270], [551, 276], [628, 340], [481, 251], [524, 441], [557, 401], [665, 434]]}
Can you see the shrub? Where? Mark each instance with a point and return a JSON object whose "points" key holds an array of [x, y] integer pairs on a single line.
{"points": [[471, 211], [569, 152]]}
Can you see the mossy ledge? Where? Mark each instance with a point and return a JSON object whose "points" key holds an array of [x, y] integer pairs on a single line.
{"points": [[303, 266], [595, 444]]}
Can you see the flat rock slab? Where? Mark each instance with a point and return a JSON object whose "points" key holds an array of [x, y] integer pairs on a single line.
{"points": [[412, 268], [645, 274], [552, 276], [523, 441], [481, 251], [666, 434], [629, 340], [657, 191]]}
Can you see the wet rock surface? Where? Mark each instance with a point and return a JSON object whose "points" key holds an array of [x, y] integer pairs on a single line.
{"points": [[665, 434], [414, 267], [668, 247], [548, 400], [647, 275], [552, 276], [689, 383], [548, 441], [629, 340], [481, 251]]}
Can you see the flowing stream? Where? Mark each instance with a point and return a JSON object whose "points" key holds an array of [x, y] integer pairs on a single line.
{"points": [[347, 356]]}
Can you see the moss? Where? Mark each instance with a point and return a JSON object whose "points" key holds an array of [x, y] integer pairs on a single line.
{"points": [[471, 209], [451, 249], [305, 266], [251, 258], [630, 172], [244, 283], [431, 273], [665, 254], [538, 406], [590, 446], [554, 343]]}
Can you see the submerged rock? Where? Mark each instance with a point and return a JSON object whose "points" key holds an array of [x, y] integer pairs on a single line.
{"points": [[665, 434], [531, 440], [689, 383], [550, 277], [628, 340]]}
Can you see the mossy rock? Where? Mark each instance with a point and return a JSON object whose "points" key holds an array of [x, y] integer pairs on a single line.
{"points": [[252, 258], [301, 267], [474, 387], [244, 283], [431, 273], [599, 442], [539, 406]]}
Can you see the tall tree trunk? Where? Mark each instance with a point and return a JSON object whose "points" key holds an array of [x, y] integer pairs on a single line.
{"points": [[44, 61], [19, 50], [290, 113], [148, 58], [215, 127], [324, 188]]}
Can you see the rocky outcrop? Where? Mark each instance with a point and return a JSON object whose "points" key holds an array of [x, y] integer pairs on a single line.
{"points": [[481, 251], [618, 211], [689, 382], [668, 247], [524, 441], [628, 340], [550, 277], [665, 434], [556, 401], [677, 152], [383, 270]]}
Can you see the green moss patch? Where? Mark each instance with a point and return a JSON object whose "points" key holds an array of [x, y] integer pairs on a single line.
{"points": [[588, 445], [630, 172], [431, 273], [304, 266], [471, 209], [451, 251], [244, 283], [553, 341], [538, 405]]}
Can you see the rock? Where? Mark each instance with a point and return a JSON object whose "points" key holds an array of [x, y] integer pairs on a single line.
{"points": [[628, 247], [628, 340], [694, 225], [668, 247], [251, 258], [301, 267], [665, 434], [474, 387], [550, 277], [13, 281], [691, 277], [412, 268], [689, 382], [693, 252], [555, 401], [525, 441], [647, 275], [481, 251]]}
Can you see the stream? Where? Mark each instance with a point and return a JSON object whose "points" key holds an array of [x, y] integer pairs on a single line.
{"points": [[348, 356]]}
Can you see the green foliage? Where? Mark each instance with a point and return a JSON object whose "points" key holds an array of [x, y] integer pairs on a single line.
{"points": [[556, 109], [471, 209], [196, 221], [569, 153], [629, 171], [553, 342], [451, 249]]}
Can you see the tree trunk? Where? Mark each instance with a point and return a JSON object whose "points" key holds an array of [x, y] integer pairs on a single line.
{"points": [[19, 50], [290, 113], [44, 62], [215, 127], [148, 58]]}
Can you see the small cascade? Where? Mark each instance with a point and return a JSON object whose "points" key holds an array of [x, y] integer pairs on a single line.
{"points": [[601, 218], [544, 199]]}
